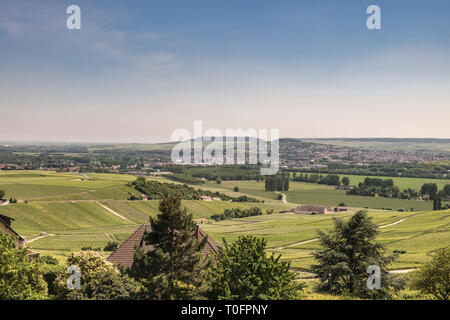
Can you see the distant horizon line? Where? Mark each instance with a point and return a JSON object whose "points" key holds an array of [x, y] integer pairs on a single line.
{"points": [[393, 139]]}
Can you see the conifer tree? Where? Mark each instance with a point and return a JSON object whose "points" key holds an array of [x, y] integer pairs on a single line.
{"points": [[176, 267], [347, 252]]}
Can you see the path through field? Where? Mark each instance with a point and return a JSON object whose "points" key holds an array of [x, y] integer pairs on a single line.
{"points": [[114, 213], [40, 237], [392, 224]]}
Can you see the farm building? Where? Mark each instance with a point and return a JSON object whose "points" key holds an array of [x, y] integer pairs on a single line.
{"points": [[5, 228], [124, 254], [311, 209], [206, 198]]}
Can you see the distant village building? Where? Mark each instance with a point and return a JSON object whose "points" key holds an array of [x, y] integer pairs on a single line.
{"points": [[311, 209], [124, 254], [206, 198], [342, 209], [144, 197]]}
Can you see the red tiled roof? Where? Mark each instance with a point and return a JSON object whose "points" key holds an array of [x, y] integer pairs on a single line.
{"points": [[124, 254]]}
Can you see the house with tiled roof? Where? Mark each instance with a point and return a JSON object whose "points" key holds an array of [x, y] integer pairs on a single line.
{"points": [[124, 254], [5, 228]]}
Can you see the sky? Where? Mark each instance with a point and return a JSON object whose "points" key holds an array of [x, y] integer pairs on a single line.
{"points": [[138, 70]]}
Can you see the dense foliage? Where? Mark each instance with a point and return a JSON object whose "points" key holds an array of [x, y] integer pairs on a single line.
{"points": [[223, 172], [244, 271], [156, 190], [330, 179], [347, 251], [434, 277], [100, 280], [184, 178], [237, 213], [279, 182], [373, 187], [21, 277]]}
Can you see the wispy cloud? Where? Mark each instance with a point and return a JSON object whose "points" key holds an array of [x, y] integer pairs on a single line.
{"points": [[43, 25]]}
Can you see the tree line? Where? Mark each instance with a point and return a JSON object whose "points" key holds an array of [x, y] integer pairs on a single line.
{"points": [[278, 182], [237, 213], [155, 190]]}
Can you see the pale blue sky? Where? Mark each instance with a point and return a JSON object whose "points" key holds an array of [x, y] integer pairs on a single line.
{"points": [[137, 70]]}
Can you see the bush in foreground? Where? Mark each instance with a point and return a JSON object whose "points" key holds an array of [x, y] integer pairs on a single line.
{"points": [[244, 271], [100, 280], [21, 277], [434, 277]]}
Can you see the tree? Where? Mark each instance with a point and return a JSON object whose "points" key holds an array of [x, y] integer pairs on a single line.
{"points": [[244, 271], [279, 182], [430, 189], [346, 181], [437, 203], [445, 191], [111, 246], [21, 277], [347, 252], [434, 277], [100, 280], [2, 194], [236, 189], [175, 268]]}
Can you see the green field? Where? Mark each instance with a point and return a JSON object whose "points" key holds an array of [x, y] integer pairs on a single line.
{"points": [[401, 182], [309, 193], [419, 234], [70, 208]]}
